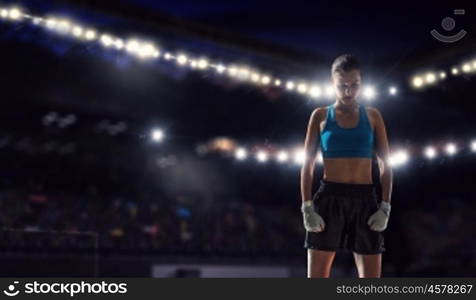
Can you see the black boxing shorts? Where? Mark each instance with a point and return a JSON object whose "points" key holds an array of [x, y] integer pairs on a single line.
{"points": [[346, 209]]}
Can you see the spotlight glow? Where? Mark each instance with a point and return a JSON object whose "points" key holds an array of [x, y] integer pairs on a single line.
{"points": [[77, 31], [119, 44], [451, 149], [265, 80], [64, 26], [182, 59], [315, 91], [157, 135], [290, 85], [255, 77], [243, 73], [430, 152], [302, 88], [141, 50], [221, 68], [4, 13], [262, 156], [15, 14], [282, 156], [203, 64], [369, 92], [442, 75], [398, 158], [51, 23], [329, 90], [37, 20], [132, 46], [240, 154], [454, 71], [299, 156], [90, 34], [232, 71], [146, 50], [473, 146], [106, 40], [466, 68], [417, 82], [392, 90], [430, 78]]}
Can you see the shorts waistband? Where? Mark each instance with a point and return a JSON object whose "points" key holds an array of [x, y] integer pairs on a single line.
{"points": [[346, 188]]}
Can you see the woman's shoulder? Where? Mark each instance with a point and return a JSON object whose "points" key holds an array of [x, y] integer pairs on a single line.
{"points": [[373, 112], [374, 116], [320, 112]]}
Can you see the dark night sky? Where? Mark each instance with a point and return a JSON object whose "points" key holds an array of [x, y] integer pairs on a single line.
{"points": [[326, 27]]}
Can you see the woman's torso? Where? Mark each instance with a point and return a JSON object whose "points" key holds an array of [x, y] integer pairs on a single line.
{"points": [[351, 169]]}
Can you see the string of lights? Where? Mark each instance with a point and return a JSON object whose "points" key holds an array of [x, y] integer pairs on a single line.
{"points": [[146, 50], [430, 78], [399, 156], [265, 153], [396, 158]]}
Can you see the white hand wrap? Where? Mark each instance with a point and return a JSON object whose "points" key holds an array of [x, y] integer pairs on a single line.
{"points": [[312, 221], [378, 221]]}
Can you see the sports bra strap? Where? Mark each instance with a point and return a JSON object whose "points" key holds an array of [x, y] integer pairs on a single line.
{"points": [[330, 112]]}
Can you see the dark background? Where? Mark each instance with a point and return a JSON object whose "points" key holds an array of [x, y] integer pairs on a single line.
{"points": [[169, 202]]}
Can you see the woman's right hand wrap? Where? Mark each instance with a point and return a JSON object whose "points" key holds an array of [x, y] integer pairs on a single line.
{"points": [[312, 220]]}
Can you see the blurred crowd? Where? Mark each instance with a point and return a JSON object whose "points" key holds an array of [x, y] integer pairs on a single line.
{"points": [[429, 230], [37, 219]]}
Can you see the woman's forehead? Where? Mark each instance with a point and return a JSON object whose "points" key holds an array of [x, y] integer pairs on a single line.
{"points": [[347, 77]]}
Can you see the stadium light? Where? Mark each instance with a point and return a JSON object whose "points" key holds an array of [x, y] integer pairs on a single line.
{"points": [[430, 152], [398, 159], [369, 92], [282, 156], [262, 156], [417, 82], [315, 91], [299, 156], [241, 154], [473, 146], [157, 135], [392, 90], [451, 149], [290, 85]]}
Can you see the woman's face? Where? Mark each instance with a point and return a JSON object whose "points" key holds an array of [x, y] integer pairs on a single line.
{"points": [[347, 85]]}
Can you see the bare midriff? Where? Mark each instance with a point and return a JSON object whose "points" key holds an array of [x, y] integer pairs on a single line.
{"points": [[357, 170]]}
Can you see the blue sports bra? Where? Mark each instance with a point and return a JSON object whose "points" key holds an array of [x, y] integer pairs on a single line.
{"points": [[337, 141]]}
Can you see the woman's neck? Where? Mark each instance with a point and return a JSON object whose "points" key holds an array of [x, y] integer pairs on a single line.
{"points": [[347, 108]]}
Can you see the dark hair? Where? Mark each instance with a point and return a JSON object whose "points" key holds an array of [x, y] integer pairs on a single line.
{"points": [[345, 63]]}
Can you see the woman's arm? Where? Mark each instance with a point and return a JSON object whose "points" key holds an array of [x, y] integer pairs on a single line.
{"points": [[382, 151], [312, 220], [310, 146]]}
